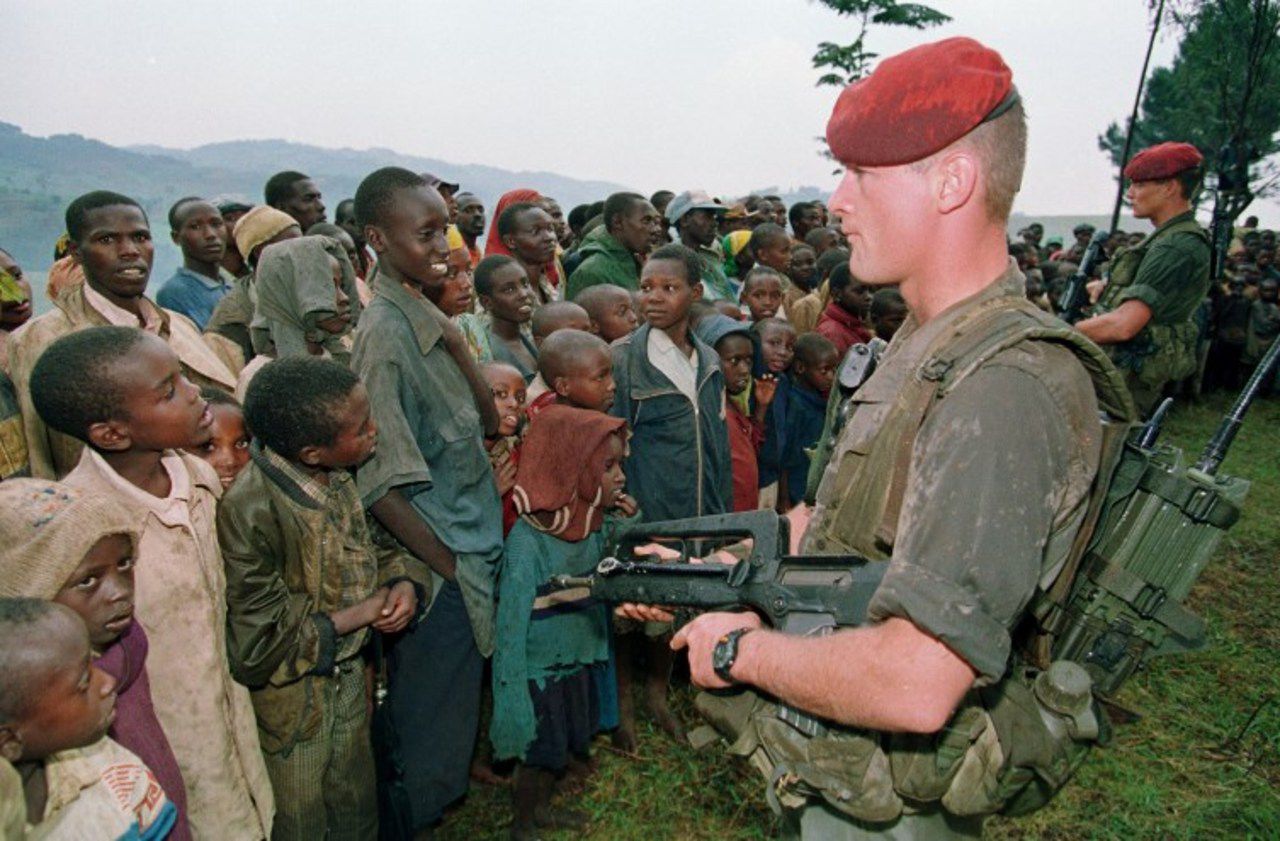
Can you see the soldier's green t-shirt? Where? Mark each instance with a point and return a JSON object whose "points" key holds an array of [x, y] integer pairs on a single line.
{"points": [[1173, 277]]}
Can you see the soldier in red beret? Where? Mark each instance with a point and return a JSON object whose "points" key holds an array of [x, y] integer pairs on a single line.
{"points": [[971, 501], [1144, 314]]}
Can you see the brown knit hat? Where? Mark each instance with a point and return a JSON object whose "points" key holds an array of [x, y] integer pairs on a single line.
{"points": [[48, 528], [259, 225]]}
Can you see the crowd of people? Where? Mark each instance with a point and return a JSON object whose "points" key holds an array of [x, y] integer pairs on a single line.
{"points": [[329, 457]]}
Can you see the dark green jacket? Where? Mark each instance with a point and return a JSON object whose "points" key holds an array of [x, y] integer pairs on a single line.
{"points": [[285, 557], [605, 260]]}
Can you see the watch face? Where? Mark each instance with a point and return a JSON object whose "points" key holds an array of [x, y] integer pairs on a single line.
{"points": [[723, 655]]}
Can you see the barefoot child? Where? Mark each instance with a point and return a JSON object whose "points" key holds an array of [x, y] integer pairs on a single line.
{"points": [[55, 707], [122, 392], [78, 550], [429, 483], [303, 586], [671, 392], [544, 711]]}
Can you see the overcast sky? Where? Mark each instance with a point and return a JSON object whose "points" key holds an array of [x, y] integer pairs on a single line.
{"points": [[679, 94]]}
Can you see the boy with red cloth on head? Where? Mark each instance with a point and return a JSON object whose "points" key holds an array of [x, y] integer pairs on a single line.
{"points": [[544, 710]]}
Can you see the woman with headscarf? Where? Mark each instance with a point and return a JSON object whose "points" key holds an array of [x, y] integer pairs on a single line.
{"points": [[547, 283]]}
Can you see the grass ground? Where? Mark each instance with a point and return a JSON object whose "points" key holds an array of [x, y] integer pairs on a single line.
{"points": [[1203, 761]]}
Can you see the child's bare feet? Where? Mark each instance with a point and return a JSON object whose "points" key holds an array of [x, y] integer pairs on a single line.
{"points": [[624, 738]]}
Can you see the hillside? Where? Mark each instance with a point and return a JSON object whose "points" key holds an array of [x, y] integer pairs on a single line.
{"points": [[40, 175]]}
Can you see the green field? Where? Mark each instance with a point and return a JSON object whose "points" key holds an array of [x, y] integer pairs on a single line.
{"points": [[1203, 761]]}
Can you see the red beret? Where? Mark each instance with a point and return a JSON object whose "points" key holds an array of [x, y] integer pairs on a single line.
{"points": [[919, 102], [1164, 160]]}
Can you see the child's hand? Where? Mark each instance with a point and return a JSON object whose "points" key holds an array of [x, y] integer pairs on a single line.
{"points": [[398, 607], [626, 505], [766, 388], [504, 473]]}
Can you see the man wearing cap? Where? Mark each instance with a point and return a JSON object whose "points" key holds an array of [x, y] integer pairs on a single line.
{"points": [[232, 208], [1145, 313], [696, 218], [970, 506]]}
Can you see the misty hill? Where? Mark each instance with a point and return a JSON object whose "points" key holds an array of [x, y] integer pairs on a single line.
{"points": [[40, 175]]}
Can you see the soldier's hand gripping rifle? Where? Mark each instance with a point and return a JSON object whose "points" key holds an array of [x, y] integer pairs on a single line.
{"points": [[795, 594], [1075, 296]]}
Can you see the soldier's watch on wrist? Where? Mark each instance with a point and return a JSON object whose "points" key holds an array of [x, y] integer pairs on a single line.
{"points": [[725, 654]]}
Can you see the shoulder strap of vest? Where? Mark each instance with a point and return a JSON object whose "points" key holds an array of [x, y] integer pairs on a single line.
{"points": [[972, 341]]}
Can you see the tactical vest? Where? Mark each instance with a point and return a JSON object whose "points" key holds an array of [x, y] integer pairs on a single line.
{"points": [[1160, 352], [1008, 747]]}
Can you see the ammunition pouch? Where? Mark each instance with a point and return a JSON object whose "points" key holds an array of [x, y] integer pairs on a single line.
{"points": [[1160, 353], [1007, 749]]}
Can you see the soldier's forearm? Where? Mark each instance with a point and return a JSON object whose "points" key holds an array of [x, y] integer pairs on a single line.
{"points": [[891, 676]]}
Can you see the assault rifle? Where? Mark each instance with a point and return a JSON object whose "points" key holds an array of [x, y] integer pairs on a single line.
{"points": [[793, 593], [1075, 296]]}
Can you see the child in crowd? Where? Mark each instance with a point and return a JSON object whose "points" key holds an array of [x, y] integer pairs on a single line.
{"points": [[777, 340], [122, 392], [547, 319], [78, 550], [610, 311], [303, 586], [55, 707], [888, 311], [578, 370], [802, 271], [505, 293], [1264, 327], [544, 710], [812, 373], [732, 341], [509, 395], [771, 247], [805, 313], [429, 484], [762, 293], [306, 304], [200, 232], [671, 392], [227, 450], [844, 319]]}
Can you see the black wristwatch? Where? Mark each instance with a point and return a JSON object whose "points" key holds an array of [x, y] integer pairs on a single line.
{"points": [[725, 654]]}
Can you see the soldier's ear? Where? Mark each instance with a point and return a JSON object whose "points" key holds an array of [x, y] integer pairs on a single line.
{"points": [[957, 179]]}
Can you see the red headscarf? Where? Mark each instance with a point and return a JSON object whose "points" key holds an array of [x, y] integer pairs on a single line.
{"points": [[556, 479], [493, 243]]}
